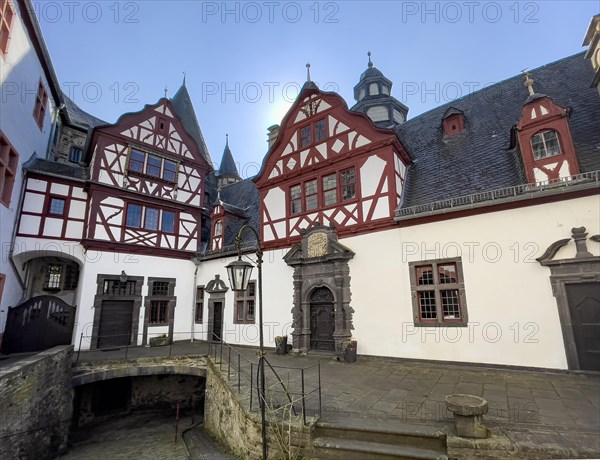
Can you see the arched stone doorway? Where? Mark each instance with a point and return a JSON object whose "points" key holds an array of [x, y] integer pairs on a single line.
{"points": [[322, 320], [322, 315]]}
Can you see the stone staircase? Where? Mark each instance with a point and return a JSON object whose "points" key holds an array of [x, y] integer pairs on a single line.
{"points": [[349, 437]]}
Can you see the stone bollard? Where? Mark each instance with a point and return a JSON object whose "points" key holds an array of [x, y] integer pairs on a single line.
{"points": [[468, 412]]}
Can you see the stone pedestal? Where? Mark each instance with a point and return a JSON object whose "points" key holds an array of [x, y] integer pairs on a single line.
{"points": [[468, 413]]}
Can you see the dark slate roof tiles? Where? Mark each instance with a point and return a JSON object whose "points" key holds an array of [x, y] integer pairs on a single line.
{"points": [[80, 117], [481, 158], [55, 168], [182, 103]]}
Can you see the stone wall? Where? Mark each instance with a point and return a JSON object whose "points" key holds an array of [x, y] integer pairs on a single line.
{"points": [[152, 392], [228, 420], [36, 404], [69, 137]]}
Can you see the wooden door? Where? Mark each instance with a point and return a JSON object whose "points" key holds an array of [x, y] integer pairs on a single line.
{"points": [[584, 305], [322, 320], [115, 323], [217, 330]]}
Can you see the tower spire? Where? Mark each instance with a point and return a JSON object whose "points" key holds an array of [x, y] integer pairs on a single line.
{"points": [[166, 89], [183, 84], [370, 62], [226, 140], [308, 72]]}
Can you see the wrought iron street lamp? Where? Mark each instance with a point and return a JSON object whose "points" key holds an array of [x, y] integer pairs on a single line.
{"points": [[239, 273]]}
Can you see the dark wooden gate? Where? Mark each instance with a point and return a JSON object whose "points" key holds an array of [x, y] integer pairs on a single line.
{"points": [[217, 330], [38, 324], [584, 305], [115, 323], [322, 320]]}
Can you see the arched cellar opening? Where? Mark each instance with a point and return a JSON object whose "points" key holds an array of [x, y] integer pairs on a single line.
{"points": [[163, 401]]}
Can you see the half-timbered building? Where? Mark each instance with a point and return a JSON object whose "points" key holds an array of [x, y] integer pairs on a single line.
{"points": [[468, 233]]}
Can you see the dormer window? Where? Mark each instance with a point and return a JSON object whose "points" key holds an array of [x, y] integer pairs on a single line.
{"points": [[219, 228], [454, 122], [545, 144]]}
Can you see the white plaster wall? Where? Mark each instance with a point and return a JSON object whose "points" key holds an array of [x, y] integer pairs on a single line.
{"points": [[136, 265], [513, 317], [277, 300], [19, 76]]}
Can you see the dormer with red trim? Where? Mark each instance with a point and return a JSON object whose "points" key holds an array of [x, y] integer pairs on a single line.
{"points": [[545, 139], [453, 122], [217, 227], [329, 166]]}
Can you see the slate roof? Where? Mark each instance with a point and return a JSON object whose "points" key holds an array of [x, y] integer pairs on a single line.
{"points": [[55, 168], [481, 157], [243, 195], [80, 117], [182, 103], [227, 166]]}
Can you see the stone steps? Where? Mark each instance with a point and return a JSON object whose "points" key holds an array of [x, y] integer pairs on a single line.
{"points": [[344, 437], [335, 448], [200, 445]]}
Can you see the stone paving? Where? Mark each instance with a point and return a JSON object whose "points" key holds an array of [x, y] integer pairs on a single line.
{"points": [[139, 436], [531, 406]]}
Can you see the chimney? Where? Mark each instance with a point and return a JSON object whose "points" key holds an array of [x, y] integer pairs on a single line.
{"points": [[273, 133]]}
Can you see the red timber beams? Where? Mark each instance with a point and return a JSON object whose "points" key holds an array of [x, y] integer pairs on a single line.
{"points": [[150, 152], [329, 166], [545, 141], [133, 223], [53, 208]]}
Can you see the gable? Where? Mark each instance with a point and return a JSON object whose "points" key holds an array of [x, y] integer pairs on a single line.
{"points": [[158, 128], [319, 129]]}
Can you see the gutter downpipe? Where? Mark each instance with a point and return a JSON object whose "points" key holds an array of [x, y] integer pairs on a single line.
{"points": [[196, 261]]}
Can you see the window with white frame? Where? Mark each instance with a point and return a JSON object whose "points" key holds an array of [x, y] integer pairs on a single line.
{"points": [[545, 144]]}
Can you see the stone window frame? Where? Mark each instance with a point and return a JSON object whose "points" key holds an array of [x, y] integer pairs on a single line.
{"points": [[168, 297], [244, 298], [436, 287]]}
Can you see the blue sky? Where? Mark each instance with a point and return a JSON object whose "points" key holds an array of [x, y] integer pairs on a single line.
{"points": [[245, 61]]}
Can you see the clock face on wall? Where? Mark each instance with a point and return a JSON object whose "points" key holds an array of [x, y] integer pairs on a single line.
{"points": [[316, 245]]}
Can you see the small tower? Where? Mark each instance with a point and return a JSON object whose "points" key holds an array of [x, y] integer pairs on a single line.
{"points": [[373, 98], [228, 173], [545, 139]]}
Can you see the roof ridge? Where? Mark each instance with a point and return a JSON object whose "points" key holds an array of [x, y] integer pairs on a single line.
{"points": [[487, 88]]}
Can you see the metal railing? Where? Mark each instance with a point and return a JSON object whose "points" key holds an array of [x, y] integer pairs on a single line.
{"points": [[517, 191], [132, 346], [299, 388]]}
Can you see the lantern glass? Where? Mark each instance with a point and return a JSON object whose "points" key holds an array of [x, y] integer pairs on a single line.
{"points": [[239, 274]]}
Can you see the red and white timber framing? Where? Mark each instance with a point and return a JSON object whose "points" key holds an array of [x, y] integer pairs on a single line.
{"points": [[350, 140]]}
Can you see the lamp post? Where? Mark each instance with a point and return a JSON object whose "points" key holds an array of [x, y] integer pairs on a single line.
{"points": [[239, 273]]}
